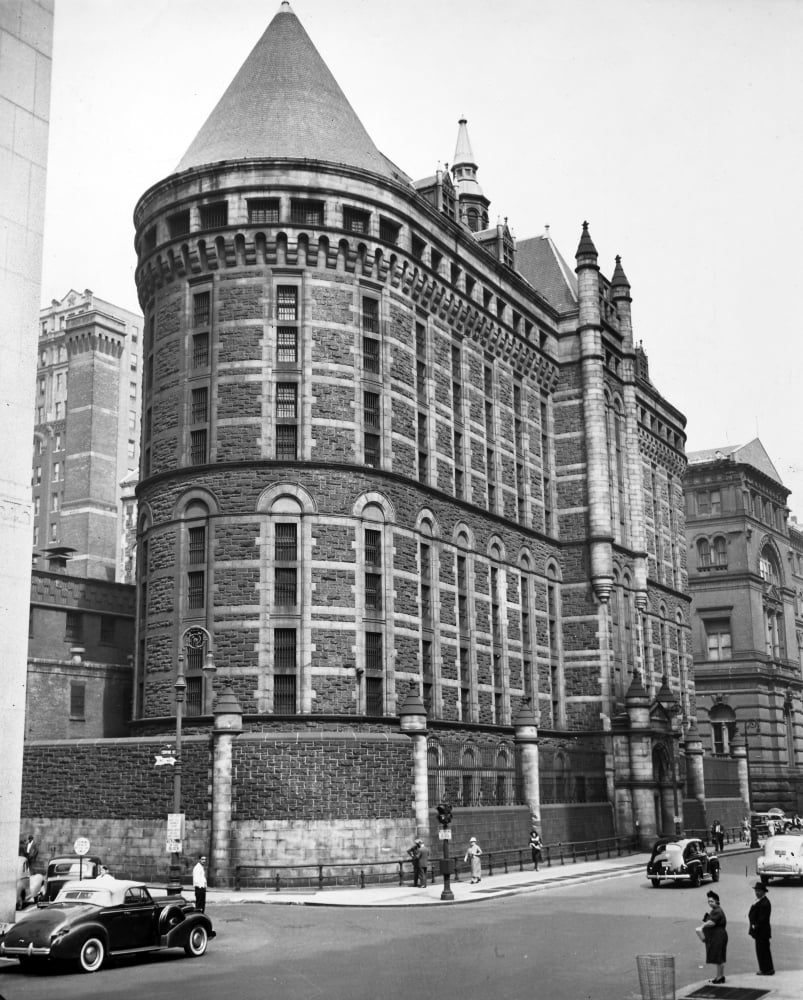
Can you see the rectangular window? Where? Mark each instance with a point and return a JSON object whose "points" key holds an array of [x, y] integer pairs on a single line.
{"points": [[371, 409], [107, 630], [418, 246], [263, 210], [285, 586], [355, 220], [389, 231], [199, 406], [718, 639], [373, 591], [286, 442], [703, 502], [77, 701], [179, 224], [373, 696], [200, 308], [370, 355], [286, 303], [198, 447], [193, 696], [214, 216], [196, 545], [287, 345], [370, 315], [286, 543], [200, 350], [74, 627], [195, 590], [373, 547], [284, 694], [306, 213], [286, 400]]}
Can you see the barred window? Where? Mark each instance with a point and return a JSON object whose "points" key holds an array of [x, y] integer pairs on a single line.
{"points": [[286, 400], [306, 213], [77, 701], [287, 302], [193, 696], [370, 355], [372, 450], [200, 350], [373, 591], [284, 694], [199, 407], [200, 309], [195, 589], [196, 547], [285, 585], [286, 543], [371, 409], [287, 345], [198, 447], [263, 210], [374, 701], [370, 315], [355, 220], [286, 441], [179, 224], [388, 230], [284, 649], [373, 547], [214, 216], [373, 651]]}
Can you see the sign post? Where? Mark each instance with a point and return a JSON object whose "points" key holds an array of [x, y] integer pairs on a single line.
{"points": [[81, 847]]}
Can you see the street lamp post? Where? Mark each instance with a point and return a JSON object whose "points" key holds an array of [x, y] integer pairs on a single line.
{"points": [[175, 867], [750, 725]]}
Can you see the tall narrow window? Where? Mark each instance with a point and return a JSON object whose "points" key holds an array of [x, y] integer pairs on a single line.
{"points": [[526, 639], [555, 664], [374, 671], [285, 667], [546, 467], [372, 426], [457, 422], [373, 571], [198, 447], [201, 308], [370, 336], [285, 564], [427, 614], [77, 701], [286, 420], [196, 590], [718, 638]]}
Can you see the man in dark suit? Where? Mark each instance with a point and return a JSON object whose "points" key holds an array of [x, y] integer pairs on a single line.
{"points": [[759, 917]]}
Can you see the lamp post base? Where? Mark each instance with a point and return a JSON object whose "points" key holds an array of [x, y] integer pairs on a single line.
{"points": [[174, 876], [447, 893]]}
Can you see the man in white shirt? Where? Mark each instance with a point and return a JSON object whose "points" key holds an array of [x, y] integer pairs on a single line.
{"points": [[199, 883]]}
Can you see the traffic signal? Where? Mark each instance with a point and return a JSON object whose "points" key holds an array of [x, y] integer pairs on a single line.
{"points": [[444, 814]]}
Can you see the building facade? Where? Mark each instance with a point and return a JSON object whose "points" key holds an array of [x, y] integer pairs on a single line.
{"points": [[388, 449], [86, 436], [746, 581]]}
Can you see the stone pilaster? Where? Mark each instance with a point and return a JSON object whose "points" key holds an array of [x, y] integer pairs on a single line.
{"points": [[642, 784], [228, 723], [527, 742]]}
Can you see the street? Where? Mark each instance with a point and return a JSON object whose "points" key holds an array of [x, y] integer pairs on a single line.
{"points": [[576, 941]]}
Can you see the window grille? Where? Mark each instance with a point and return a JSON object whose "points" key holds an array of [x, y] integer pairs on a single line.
{"points": [[287, 345], [287, 302], [198, 447], [370, 355], [195, 589], [284, 648], [286, 442], [372, 450], [373, 591], [371, 409], [200, 309], [373, 547], [197, 545], [214, 216], [286, 400], [373, 651], [286, 543], [263, 210], [374, 702], [370, 315], [284, 694], [74, 626], [306, 213], [389, 231], [285, 588], [179, 224], [200, 350], [355, 220], [193, 696], [200, 398]]}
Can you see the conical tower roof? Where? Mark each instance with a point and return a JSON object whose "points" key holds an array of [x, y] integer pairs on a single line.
{"points": [[284, 103]]}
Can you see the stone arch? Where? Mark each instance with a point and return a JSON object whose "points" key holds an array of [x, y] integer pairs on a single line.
{"points": [[293, 491], [427, 524], [374, 499], [195, 495]]}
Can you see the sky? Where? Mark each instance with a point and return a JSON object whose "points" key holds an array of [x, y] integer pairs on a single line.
{"points": [[673, 126]]}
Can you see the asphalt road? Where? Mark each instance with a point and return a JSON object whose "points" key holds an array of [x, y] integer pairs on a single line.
{"points": [[577, 942]]}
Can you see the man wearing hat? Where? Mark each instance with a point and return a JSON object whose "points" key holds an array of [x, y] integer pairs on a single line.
{"points": [[759, 917], [419, 854]]}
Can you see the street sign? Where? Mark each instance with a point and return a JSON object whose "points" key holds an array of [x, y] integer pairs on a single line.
{"points": [[81, 846], [444, 834]]}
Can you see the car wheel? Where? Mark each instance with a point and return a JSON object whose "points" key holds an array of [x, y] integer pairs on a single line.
{"points": [[197, 941], [92, 954], [695, 878], [656, 882], [715, 875]]}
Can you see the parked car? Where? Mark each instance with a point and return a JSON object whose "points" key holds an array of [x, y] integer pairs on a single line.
{"points": [[94, 918], [66, 869], [682, 861], [782, 857], [29, 885]]}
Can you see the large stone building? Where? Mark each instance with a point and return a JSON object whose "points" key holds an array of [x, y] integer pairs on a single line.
{"points": [[388, 449], [87, 431], [746, 581]]}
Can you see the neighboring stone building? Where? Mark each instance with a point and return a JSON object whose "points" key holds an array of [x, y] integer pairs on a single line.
{"points": [[80, 652], [386, 448], [87, 432], [746, 581]]}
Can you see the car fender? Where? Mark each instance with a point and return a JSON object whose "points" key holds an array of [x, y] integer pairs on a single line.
{"points": [[69, 946], [178, 936]]}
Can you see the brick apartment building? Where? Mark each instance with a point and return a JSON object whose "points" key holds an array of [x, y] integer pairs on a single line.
{"points": [[746, 581], [386, 448]]}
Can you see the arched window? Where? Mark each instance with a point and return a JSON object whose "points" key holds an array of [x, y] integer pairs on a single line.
{"points": [[468, 777], [720, 551], [723, 728], [768, 566], [703, 553]]}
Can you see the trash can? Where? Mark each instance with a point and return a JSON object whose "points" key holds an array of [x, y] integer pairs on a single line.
{"points": [[656, 976]]}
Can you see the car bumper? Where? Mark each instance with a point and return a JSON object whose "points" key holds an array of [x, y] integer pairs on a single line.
{"points": [[23, 951]]}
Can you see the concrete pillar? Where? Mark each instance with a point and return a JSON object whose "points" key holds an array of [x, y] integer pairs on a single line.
{"points": [[739, 753], [526, 737], [695, 778], [228, 723], [642, 783], [413, 721]]}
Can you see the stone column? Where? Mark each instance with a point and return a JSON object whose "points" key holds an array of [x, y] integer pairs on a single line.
{"points": [[739, 754], [695, 777], [413, 721], [526, 736], [642, 783], [228, 723]]}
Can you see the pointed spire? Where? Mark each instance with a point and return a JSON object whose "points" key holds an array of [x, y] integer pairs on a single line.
{"points": [[284, 103], [586, 246], [463, 153], [619, 278], [473, 203]]}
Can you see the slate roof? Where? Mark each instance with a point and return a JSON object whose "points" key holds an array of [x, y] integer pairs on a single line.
{"points": [[540, 262], [753, 453], [285, 103]]}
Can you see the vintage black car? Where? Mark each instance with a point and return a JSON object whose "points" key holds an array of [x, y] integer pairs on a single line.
{"points": [[64, 869], [682, 861], [94, 918]]}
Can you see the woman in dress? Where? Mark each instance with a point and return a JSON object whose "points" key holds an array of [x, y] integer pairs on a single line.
{"points": [[535, 847], [715, 936], [473, 853]]}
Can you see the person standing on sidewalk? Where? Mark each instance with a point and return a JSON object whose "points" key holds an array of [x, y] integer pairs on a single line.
{"points": [[535, 847], [718, 836], [473, 853], [199, 883], [715, 936], [419, 855], [760, 930]]}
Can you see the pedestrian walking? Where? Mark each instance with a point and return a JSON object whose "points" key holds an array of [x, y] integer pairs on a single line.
{"points": [[718, 836], [712, 932], [199, 883], [760, 930], [535, 847], [419, 855], [473, 852], [746, 829]]}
